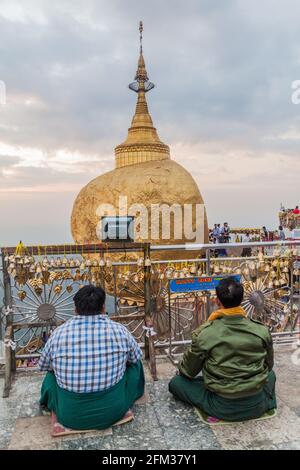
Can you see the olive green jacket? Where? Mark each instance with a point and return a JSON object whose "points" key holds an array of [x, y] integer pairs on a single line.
{"points": [[234, 354]]}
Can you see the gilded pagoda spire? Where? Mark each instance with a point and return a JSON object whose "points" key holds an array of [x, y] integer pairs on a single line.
{"points": [[142, 144]]}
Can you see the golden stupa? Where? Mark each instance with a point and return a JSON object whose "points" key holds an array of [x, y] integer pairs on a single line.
{"points": [[144, 173]]}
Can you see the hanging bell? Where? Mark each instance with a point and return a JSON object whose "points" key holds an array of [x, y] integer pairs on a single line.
{"points": [[169, 272], [246, 272], [193, 269], [39, 269], [217, 269], [267, 268], [102, 262], [140, 261], [52, 276], [27, 260], [38, 290], [72, 263], [88, 263], [108, 262], [147, 261], [285, 269], [260, 256], [57, 289], [58, 262], [22, 294]]}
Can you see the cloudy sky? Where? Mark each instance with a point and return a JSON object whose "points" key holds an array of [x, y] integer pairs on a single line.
{"points": [[223, 71]]}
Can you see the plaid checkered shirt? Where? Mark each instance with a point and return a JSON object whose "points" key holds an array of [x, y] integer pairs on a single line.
{"points": [[89, 353]]}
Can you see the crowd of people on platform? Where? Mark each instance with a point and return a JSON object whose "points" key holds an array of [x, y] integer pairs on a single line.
{"points": [[220, 234], [223, 235], [295, 211]]}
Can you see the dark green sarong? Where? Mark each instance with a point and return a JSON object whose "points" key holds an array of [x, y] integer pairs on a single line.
{"points": [[193, 391], [95, 410]]}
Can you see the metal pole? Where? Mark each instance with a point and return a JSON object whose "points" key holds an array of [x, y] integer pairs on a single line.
{"points": [[7, 292], [149, 343], [208, 272], [115, 288], [208, 265], [10, 362], [170, 321], [147, 297]]}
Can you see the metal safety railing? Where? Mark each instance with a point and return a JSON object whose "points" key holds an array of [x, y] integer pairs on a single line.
{"points": [[161, 322]]}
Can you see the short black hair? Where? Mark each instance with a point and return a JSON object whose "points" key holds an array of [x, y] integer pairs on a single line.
{"points": [[89, 300], [230, 292]]}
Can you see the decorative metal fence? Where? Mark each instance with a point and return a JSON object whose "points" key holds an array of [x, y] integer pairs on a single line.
{"points": [[39, 284]]}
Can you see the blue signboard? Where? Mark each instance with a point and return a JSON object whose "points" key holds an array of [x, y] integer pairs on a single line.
{"points": [[192, 284]]}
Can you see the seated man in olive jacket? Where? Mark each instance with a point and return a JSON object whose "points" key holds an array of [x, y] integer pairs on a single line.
{"points": [[235, 355]]}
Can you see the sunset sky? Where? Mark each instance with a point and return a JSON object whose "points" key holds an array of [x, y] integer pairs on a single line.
{"points": [[223, 71]]}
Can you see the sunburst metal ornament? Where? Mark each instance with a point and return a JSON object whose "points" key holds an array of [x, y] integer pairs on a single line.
{"points": [[268, 305], [174, 317], [42, 294], [51, 303], [267, 294]]}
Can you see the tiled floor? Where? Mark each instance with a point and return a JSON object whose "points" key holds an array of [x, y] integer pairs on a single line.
{"points": [[160, 422]]}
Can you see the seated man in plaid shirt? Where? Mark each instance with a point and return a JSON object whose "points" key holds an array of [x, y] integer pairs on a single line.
{"points": [[94, 369]]}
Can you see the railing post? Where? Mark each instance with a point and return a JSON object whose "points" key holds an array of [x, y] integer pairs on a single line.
{"points": [[115, 288], [208, 272], [147, 296], [149, 344], [208, 264], [10, 361]]}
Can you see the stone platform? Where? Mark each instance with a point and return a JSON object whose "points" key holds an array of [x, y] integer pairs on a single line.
{"points": [[160, 422]]}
